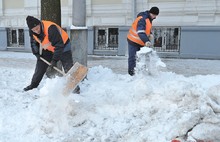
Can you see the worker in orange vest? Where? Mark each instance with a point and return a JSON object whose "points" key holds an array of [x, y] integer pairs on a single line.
{"points": [[139, 35], [51, 42]]}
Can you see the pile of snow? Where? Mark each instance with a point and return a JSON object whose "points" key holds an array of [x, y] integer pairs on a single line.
{"points": [[111, 107]]}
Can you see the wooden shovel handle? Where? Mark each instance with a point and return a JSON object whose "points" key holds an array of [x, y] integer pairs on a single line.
{"points": [[53, 67]]}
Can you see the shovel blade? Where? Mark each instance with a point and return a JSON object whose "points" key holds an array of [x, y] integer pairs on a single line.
{"points": [[74, 76]]}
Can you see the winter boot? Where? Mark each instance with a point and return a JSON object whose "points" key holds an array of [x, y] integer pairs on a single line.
{"points": [[30, 87], [131, 72]]}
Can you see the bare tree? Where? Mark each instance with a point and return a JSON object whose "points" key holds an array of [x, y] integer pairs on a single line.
{"points": [[51, 11]]}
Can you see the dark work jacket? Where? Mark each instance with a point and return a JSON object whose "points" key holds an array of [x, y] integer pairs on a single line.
{"points": [[142, 26], [55, 39]]}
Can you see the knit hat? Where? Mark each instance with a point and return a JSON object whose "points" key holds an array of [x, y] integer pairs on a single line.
{"points": [[32, 22], [154, 10]]}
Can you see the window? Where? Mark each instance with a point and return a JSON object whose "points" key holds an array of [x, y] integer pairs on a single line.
{"points": [[21, 37], [15, 37], [166, 39], [106, 38], [113, 37]]}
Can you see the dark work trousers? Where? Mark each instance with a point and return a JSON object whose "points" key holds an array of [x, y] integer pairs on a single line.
{"points": [[132, 56], [41, 66], [67, 60]]}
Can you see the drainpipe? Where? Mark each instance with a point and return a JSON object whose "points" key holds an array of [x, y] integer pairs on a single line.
{"points": [[79, 31], [79, 13], [134, 9]]}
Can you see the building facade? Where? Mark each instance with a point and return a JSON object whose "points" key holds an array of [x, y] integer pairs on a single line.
{"points": [[180, 30]]}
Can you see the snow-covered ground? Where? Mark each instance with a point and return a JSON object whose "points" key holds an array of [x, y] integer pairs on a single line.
{"points": [[158, 105]]}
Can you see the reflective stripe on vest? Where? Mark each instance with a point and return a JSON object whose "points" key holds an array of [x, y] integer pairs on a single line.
{"points": [[46, 44], [133, 33]]}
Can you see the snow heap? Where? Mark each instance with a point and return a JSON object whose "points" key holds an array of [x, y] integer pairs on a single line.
{"points": [[152, 106], [148, 62]]}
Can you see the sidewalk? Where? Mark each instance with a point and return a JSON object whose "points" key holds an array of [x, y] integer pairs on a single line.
{"points": [[118, 64], [186, 67]]}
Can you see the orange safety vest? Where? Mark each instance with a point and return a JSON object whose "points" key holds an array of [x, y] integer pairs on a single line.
{"points": [[46, 44], [133, 35]]}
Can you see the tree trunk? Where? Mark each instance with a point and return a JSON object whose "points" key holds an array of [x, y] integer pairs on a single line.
{"points": [[51, 11]]}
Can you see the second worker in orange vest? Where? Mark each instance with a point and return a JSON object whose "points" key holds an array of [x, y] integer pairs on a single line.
{"points": [[138, 35], [51, 42]]}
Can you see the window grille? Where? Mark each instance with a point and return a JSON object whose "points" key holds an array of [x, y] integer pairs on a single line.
{"points": [[106, 38], [15, 37], [166, 39], [21, 37]]}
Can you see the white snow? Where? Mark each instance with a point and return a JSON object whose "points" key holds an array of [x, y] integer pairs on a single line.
{"points": [[155, 105]]}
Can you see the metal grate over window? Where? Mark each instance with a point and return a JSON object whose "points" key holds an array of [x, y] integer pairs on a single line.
{"points": [[166, 39], [106, 38], [15, 37]]}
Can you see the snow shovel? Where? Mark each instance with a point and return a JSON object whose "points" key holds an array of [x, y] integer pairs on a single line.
{"points": [[73, 77]]}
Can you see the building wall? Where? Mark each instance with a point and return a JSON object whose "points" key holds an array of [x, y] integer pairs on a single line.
{"points": [[102, 13], [200, 42], [3, 41], [189, 13], [121, 13], [13, 14], [27, 44], [66, 13], [172, 12]]}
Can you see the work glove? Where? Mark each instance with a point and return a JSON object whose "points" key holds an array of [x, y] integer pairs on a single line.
{"points": [[151, 38], [148, 44], [53, 63]]}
